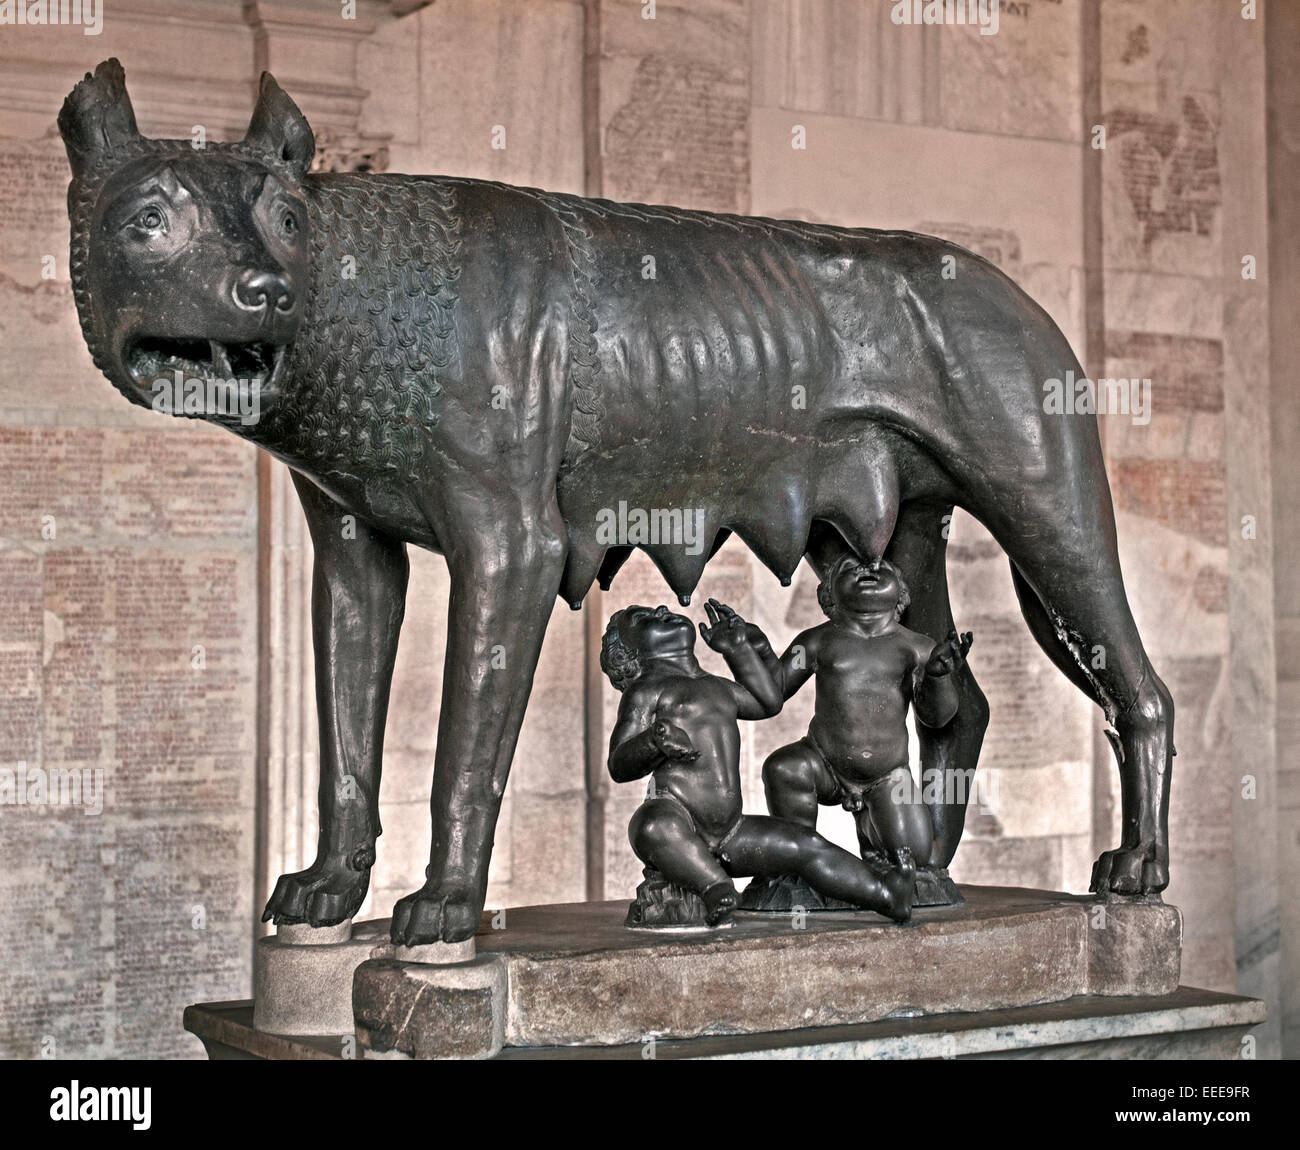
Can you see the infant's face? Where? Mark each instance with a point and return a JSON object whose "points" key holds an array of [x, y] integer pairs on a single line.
{"points": [[656, 631], [861, 590]]}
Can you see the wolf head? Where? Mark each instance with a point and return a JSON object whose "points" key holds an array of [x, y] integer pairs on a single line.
{"points": [[184, 259]]}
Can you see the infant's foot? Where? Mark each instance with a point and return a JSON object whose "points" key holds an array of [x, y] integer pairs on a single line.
{"points": [[719, 901], [900, 884]]}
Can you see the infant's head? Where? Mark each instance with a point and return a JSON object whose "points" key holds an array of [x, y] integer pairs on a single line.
{"points": [[855, 585], [635, 634]]}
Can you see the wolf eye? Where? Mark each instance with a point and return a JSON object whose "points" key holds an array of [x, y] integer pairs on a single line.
{"points": [[149, 220]]}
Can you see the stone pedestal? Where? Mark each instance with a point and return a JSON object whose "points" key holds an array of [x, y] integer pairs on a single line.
{"points": [[303, 977], [576, 976], [1188, 1024], [1007, 970], [304, 974], [414, 1010]]}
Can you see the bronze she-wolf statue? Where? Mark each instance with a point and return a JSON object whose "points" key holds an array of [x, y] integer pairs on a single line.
{"points": [[484, 371]]}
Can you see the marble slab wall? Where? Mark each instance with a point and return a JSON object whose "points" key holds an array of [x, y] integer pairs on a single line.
{"points": [[126, 543], [139, 554], [128, 648], [1282, 43], [1183, 208]]}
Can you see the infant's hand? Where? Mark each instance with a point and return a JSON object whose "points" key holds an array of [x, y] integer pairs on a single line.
{"points": [[673, 742], [759, 641], [949, 655], [727, 632]]}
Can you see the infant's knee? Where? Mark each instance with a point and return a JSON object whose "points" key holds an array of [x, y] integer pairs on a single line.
{"points": [[918, 833], [901, 817], [921, 844], [789, 768], [653, 827]]}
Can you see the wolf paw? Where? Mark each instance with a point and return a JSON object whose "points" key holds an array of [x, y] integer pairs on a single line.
{"points": [[436, 914], [1139, 870], [328, 892]]}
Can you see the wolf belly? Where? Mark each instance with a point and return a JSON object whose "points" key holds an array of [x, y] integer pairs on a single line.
{"points": [[791, 362]]}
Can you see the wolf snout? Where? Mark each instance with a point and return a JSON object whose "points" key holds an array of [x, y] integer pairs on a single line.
{"points": [[263, 291]]}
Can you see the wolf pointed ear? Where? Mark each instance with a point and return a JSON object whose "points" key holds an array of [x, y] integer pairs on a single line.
{"points": [[96, 120], [280, 128]]}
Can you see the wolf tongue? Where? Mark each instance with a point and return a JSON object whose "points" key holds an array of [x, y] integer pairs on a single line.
{"points": [[220, 360]]}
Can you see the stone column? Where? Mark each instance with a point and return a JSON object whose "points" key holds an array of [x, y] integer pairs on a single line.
{"points": [[316, 53], [1251, 610], [1282, 44], [1182, 207]]}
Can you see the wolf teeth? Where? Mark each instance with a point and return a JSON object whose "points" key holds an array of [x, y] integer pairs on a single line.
{"points": [[220, 360]]}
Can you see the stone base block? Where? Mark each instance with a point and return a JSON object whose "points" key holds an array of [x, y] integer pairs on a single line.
{"points": [[414, 1010], [1188, 1024], [574, 975], [1131, 947], [303, 977]]}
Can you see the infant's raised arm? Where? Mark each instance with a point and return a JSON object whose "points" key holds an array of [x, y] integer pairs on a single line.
{"points": [[799, 661], [934, 695], [749, 656]]}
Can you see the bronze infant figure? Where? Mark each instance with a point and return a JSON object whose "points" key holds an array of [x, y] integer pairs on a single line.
{"points": [[677, 725], [482, 370]]}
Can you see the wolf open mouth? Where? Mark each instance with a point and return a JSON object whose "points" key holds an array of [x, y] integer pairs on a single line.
{"points": [[257, 364]]}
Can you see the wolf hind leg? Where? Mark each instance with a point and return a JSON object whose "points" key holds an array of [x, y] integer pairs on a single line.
{"points": [[1084, 625]]}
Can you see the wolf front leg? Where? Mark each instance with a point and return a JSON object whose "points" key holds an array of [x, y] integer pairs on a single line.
{"points": [[357, 602], [504, 580]]}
